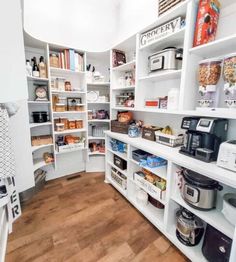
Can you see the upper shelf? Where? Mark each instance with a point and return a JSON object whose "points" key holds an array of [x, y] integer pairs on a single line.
{"points": [[34, 78], [218, 47], [162, 75], [66, 71], [99, 84], [125, 67]]}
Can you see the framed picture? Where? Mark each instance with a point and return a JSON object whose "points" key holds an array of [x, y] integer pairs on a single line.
{"points": [[72, 102], [118, 58]]}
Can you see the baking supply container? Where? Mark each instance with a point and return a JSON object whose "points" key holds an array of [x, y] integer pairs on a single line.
{"points": [[119, 162], [60, 107], [189, 228], [166, 59], [229, 208], [60, 83], [60, 127], [78, 123], [208, 77], [40, 116], [216, 246], [199, 191]]}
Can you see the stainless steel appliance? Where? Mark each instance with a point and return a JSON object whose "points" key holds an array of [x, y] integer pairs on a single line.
{"points": [[227, 155], [199, 191], [216, 246], [203, 137], [189, 228], [166, 59]]}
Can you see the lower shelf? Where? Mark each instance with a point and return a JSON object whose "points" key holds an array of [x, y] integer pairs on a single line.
{"points": [[39, 163], [117, 187]]}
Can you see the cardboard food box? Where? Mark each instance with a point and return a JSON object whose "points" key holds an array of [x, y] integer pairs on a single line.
{"points": [[41, 140], [207, 22]]}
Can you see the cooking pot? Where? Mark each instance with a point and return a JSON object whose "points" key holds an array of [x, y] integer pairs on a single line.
{"points": [[199, 191], [40, 116], [189, 228], [229, 208]]}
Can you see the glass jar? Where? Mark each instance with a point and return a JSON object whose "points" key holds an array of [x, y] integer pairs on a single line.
{"points": [[60, 127], [64, 120], [78, 123], [208, 77], [133, 131], [68, 86], [90, 114], [229, 75], [78, 107], [71, 124], [60, 107]]}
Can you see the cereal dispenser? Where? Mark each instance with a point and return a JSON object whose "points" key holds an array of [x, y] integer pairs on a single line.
{"points": [[229, 75], [208, 77]]}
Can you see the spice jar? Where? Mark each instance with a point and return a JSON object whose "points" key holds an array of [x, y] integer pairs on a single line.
{"points": [[64, 120], [71, 124], [78, 123], [60, 127], [208, 77], [67, 86], [78, 107], [60, 107]]}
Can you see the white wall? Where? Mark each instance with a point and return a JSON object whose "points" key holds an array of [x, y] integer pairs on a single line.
{"points": [[13, 80], [87, 25]]}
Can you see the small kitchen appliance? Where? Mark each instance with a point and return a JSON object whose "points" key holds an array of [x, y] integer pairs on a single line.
{"points": [[227, 155], [216, 246], [198, 191], [203, 137], [166, 59], [189, 228], [229, 208]]}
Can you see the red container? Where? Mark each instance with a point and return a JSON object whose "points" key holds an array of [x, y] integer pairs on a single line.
{"points": [[207, 21]]}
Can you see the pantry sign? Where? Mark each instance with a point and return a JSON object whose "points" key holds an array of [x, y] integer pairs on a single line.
{"points": [[156, 33]]}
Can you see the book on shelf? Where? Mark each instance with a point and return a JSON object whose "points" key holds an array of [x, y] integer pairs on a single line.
{"points": [[70, 60]]}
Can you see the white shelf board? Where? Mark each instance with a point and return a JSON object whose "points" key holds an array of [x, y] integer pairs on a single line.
{"points": [[157, 110], [68, 92], [123, 88], [3, 202], [69, 112], [213, 217], [124, 172], [153, 214], [193, 253], [172, 154], [35, 148], [162, 75], [159, 171], [99, 84], [215, 48], [96, 153], [96, 137], [124, 108], [94, 103], [33, 125], [99, 121], [116, 186], [71, 151], [121, 155], [174, 39], [39, 102], [69, 131], [34, 78], [39, 163], [125, 67], [65, 71]]}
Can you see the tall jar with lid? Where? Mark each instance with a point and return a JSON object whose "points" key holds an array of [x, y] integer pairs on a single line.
{"points": [[208, 77], [229, 75]]}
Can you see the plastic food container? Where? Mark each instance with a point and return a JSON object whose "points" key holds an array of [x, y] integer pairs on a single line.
{"points": [[60, 107], [64, 120], [78, 123], [60, 127], [229, 69], [142, 197], [209, 73], [71, 124], [78, 107]]}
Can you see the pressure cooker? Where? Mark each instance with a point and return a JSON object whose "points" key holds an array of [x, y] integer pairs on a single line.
{"points": [[199, 191], [189, 228]]}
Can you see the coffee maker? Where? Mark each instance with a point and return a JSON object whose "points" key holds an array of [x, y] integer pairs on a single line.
{"points": [[203, 137]]}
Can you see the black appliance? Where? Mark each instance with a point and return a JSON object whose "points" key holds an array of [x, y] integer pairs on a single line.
{"points": [[189, 228], [199, 191], [40, 116], [203, 137], [216, 246]]}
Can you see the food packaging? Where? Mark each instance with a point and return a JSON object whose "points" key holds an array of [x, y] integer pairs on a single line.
{"points": [[124, 117], [41, 140], [173, 99], [148, 132], [207, 22], [54, 60], [60, 107], [152, 102], [163, 102]]}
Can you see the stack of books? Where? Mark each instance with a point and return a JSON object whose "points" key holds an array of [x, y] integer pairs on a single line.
{"points": [[71, 60]]}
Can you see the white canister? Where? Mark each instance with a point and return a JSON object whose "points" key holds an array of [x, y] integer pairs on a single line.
{"points": [[229, 208], [142, 197], [173, 99]]}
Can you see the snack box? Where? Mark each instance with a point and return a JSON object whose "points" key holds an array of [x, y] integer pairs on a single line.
{"points": [[207, 22]]}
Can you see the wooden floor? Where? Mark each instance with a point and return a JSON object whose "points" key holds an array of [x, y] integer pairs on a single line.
{"points": [[84, 219]]}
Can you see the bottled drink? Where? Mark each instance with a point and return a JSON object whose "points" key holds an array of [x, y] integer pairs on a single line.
{"points": [[28, 68], [42, 68], [35, 68]]}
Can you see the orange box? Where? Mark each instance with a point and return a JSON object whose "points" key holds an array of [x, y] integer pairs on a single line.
{"points": [[207, 21]]}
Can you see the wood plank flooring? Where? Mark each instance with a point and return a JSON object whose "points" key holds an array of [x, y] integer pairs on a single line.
{"points": [[86, 220]]}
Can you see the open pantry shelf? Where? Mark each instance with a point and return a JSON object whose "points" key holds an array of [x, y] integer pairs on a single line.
{"points": [[96, 153], [99, 121], [39, 102], [69, 113], [39, 163], [125, 67], [99, 84], [161, 76], [33, 125], [65, 71], [96, 137], [68, 92], [70, 131], [117, 187], [71, 151], [124, 172], [34, 78], [121, 155], [123, 88], [35, 148]]}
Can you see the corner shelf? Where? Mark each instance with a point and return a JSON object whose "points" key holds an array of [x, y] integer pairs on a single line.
{"points": [[96, 138], [70, 131], [39, 163], [35, 148], [33, 125], [66, 71], [34, 78], [161, 76], [125, 67]]}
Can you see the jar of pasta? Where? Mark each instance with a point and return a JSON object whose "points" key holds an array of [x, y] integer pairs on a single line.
{"points": [[71, 124], [78, 123], [60, 127]]}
